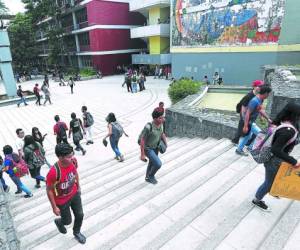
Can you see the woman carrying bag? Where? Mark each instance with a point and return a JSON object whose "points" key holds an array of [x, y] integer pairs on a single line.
{"points": [[34, 156]]}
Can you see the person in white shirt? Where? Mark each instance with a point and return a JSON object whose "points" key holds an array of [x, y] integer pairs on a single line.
{"points": [[20, 141]]}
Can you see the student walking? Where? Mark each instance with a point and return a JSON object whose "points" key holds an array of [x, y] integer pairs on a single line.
{"points": [[242, 106], [34, 156], [128, 82], [11, 161], [134, 82], [38, 137], [36, 91], [149, 141], [5, 187], [20, 142], [63, 191], [88, 122], [115, 131], [20, 93], [254, 108], [47, 94], [283, 143], [60, 129], [76, 129], [71, 83]]}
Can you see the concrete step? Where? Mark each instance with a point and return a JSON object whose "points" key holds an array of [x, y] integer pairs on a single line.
{"points": [[110, 195]]}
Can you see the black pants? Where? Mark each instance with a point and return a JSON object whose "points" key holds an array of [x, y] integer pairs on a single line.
{"points": [[60, 140], [71, 86], [78, 145], [35, 173], [129, 88], [38, 100], [65, 213], [240, 133]]}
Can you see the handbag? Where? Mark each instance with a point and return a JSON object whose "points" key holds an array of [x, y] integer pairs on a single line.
{"points": [[162, 147]]}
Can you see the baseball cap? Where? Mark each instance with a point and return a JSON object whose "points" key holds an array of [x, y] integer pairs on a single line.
{"points": [[257, 83]]}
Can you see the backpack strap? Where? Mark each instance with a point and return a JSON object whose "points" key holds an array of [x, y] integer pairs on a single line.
{"points": [[58, 172], [287, 125]]}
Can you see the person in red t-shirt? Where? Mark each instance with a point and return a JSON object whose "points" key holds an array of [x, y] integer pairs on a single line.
{"points": [[59, 130], [160, 108], [36, 91], [63, 191]]}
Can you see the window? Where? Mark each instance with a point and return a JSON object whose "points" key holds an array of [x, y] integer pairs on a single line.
{"points": [[86, 61]]}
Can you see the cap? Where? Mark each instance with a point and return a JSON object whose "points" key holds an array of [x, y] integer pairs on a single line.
{"points": [[257, 83]]}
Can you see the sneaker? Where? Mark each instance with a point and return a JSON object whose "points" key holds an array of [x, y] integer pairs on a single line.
{"points": [[117, 158], [18, 105], [28, 195], [91, 142], [77, 149], [37, 186], [151, 180], [83, 152], [61, 228], [261, 205], [18, 192], [80, 237], [240, 152], [122, 158]]}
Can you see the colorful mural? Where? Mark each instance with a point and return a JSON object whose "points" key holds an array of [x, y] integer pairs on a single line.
{"points": [[226, 22]]}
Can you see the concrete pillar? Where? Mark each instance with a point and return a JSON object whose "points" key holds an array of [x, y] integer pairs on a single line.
{"points": [[5, 65]]}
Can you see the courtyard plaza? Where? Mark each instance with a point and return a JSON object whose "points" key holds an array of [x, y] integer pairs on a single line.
{"points": [[202, 199]]}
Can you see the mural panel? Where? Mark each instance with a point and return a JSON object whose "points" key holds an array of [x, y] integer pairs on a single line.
{"points": [[197, 23]]}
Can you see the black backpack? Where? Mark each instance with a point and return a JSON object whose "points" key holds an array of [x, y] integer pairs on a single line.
{"points": [[19, 92], [238, 107], [61, 131]]}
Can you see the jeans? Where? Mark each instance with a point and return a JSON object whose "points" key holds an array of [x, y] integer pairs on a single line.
{"points": [[19, 184], [271, 169], [154, 162], [38, 100], [65, 213], [35, 173], [254, 129], [23, 99], [47, 99], [2, 181], [114, 145], [129, 88], [134, 87]]}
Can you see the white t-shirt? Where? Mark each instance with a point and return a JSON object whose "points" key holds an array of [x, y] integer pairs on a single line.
{"points": [[20, 143]]}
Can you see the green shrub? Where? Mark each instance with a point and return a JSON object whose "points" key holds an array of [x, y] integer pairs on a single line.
{"points": [[182, 88], [87, 72]]}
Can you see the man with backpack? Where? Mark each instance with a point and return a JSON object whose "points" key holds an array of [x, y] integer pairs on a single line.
{"points": [[20, 94], [36, 91], [149, 141], [63, 191], [242, 105], [60, 129], [254, 108], [75, 129], [16, 168], [88, 122]]}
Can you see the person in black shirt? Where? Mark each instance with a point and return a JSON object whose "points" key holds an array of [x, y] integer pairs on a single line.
{"points": [[76, 129], [256, 84], [283, 143]]}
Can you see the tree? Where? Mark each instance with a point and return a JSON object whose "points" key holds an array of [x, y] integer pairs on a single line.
{"points": [[3, 8], [23, 46]]}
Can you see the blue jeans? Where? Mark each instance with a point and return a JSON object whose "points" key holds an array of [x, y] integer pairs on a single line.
{"points": [[254, 129], [134, 87], [19, 184], [114, 145], [271, 170], [23, 99], [154, 162], [2, 182]]}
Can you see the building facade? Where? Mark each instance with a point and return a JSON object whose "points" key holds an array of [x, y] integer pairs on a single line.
{"points": [[96, 34], [155, 31], [233, 37]]}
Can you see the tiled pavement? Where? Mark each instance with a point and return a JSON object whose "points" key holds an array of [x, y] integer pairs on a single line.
{"points": [[202, 200]]}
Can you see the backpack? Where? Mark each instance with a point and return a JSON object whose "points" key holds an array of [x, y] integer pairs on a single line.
{"points": [[117, 129], [19, 92], [61, 131], [238, 107], [134, 78], [89, 119], [38, 158], [261, 150], [141, 134], [19, 165]]}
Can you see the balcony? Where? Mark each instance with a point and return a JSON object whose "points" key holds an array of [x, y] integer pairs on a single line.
{"points": [[138, 5], [162, 30], [161, 59]]}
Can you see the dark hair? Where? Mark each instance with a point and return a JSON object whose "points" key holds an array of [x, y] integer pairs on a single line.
{"points": [[291, 113], [73, 115], [71, 78], [265, 90], [29, 140], [56, 118], [156, 114], [18, 131], [19, 86], [84, 108], [33, 134], [161, 103], [63, 149], [110, 118], [36, 84], [7, 150]]}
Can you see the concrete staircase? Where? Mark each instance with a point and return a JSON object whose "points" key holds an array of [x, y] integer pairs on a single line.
{"points": [[202, 201]]}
